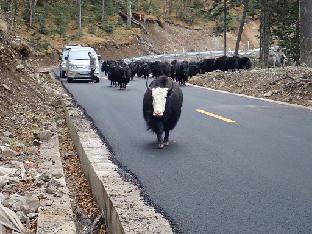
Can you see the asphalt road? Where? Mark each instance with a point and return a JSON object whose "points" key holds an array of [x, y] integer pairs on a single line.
{"points": [[251, 176]]}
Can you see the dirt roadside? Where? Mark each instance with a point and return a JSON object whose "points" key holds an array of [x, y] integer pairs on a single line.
{"points": [[290, 84], [29, 107]]}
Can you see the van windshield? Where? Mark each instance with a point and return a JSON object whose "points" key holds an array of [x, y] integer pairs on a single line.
{"points": [[79, 55]]}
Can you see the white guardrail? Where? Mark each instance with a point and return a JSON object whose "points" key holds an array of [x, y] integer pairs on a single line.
{"points": [[191, 55]]}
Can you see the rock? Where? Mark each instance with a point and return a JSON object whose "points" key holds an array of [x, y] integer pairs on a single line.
{"points": [[268, 94], [6, 140], [32, 204], [46, 177], [7, 152], [3, 26], [33, 150], [32, 215], [46, 202], [36, 142], [3, 182], [20, 67], [57, 175], [7, 88], [22, 170], [56, 183], [2, 197], [29, 164], [27, 204], [51, 189], [45, 135], [22, 216], [69, 155], [6, 171], [7, 134]]}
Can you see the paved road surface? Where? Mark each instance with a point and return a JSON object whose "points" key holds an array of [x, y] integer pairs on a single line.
{"points": [[251, 176]]}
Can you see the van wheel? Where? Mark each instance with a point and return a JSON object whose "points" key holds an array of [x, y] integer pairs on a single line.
{"points": [[63, 74], [69, 80], [97, 79]]}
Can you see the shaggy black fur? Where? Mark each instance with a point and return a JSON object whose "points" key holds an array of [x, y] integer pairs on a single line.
{"points": [[172, 113]]}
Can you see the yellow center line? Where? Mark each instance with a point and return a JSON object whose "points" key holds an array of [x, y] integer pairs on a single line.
{"points": [[215, 116]]}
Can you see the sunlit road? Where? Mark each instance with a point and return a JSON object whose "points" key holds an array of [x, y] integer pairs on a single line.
{"points": [[235, 165]]}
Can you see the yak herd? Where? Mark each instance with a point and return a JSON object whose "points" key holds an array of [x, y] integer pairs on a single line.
{"points": [[119, 73], [163, 97]]}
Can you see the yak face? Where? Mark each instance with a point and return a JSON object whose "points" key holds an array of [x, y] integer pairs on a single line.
{"points": [[159, 100]]}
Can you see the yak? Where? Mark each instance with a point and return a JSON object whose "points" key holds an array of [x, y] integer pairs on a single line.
{"points": [[162, 105], [144, 70], [244, 63], [182, 72], [207, 65], [119, 75], [160, 68], [194, 68]]}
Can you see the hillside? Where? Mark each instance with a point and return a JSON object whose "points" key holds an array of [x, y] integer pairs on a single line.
{"points": [[164, 27]]}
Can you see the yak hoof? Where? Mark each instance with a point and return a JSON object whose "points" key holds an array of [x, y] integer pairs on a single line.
{"points": [[166, 143], [160, 146]]}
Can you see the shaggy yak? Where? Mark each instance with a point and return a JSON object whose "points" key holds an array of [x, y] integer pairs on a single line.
{"points": [[162, 105]]}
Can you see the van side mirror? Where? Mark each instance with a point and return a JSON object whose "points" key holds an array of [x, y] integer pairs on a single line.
{"points": [[99, 57], [60, 58]]}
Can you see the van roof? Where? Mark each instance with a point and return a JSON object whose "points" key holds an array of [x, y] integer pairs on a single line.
{"points": [[83, 48], [71, 47]]}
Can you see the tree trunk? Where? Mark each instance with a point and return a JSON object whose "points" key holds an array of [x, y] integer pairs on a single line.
{"points": [[305, 9], [32, 8], [297, 56], [261, 38], [103, 12], [225, 27], [241, 27], [170, 7], [79, 15], [129, 14], [266, 32], [14, 12], [30, 13]]}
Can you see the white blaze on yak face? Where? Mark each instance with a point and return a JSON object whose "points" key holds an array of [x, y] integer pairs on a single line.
{"points": [[159, 100]]}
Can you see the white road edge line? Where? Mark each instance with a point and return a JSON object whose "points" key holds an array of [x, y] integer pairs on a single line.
{"points": [[251, 97]]}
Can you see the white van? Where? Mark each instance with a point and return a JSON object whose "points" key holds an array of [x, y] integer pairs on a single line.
{"points": [[78, 64], [62, 65]]}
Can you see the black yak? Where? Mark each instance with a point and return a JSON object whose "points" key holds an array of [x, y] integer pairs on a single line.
{"points": [[182, 72], [162, 105], [207, 65], [173, 69], [119, 75], [144, 70], [194, 68], [244, 63], [220, 63], [225, 63], [160, 68]]}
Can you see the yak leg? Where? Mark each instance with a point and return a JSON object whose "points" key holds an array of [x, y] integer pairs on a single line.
{"points": [[159, 132], [166, 139], [160, 140]]}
